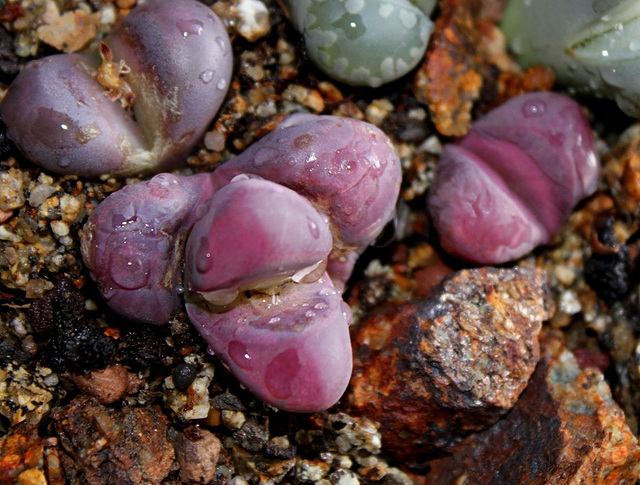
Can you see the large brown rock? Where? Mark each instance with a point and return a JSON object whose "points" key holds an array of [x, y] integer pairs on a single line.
{"points": [[107, 445], [565, 429], [433, 371]]}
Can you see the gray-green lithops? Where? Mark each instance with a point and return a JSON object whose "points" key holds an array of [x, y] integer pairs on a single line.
{"points": [[593, 45], [363, 42]]}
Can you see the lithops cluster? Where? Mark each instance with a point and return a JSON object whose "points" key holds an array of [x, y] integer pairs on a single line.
{"points": [[268, 242], [592, 45], [164, 73], [512, 181], [363, 42]]}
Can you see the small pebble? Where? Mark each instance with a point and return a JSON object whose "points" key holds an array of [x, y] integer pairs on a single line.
{"points": [[183, 375]]}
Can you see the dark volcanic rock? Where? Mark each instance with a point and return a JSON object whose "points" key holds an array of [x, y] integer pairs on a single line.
{"points": [[433, 371], [565, 429]]}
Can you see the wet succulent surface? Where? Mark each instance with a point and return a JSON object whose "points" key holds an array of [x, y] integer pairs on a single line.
{"points": [[87, 395]]}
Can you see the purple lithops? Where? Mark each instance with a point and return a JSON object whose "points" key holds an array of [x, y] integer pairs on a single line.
{"points": [[512, 181], [133, 244], [260, 233], [347, 168], [254, 234], [166, 65]]}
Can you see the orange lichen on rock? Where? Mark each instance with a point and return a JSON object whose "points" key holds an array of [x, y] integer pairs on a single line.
{"points": [[450, 79]]}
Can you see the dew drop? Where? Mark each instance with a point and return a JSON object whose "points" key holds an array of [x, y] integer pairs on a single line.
{"points": [[239, 354], [204, 261], [128, 271], [164, 180], [320, 306], [190, 27], [327, 292], [222, 44], [222, 84], [291, 161], [207, 76], [310, 315], [280, 373], [313, 228], [533, 108], [274, 320], [64, 162]]}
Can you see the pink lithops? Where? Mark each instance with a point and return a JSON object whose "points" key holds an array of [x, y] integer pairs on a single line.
{"points": [[255, 234], [291, 347], [170, 60], [271, 238], [512, 181], [133, 244], [347, 168]]}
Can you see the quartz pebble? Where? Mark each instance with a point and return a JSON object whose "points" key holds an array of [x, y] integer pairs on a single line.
{"points": [[436, 370], [106, 385], [197, 453]]}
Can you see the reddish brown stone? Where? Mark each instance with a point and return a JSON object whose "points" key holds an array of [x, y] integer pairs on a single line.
{"points": [[451, 78], [434, 371], [107, 385], [565, 429], [107, 446], [197, 451]]}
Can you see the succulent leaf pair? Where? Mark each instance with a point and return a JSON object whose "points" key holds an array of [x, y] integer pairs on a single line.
{"points": [[593, 46], [364, 42], [70, 113]]}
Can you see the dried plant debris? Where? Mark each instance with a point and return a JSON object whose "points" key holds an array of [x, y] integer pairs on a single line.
{"points": [[456, 380]]}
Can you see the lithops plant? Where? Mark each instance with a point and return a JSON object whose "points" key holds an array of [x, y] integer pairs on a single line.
{"points": [[512, 181], [348, 169], [260, 233], [592, 45], [291, 348], [363, 42], [170, 59]]}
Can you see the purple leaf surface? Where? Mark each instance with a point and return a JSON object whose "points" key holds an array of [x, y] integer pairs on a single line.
{"points": [[509, 185], [254, 234], [179, 63], [347, 168], [133, 244], [290, 348]]}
